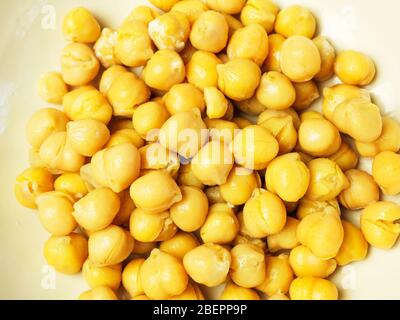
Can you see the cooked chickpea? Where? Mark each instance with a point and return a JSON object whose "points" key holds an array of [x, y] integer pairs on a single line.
{"points": [[354, 246], [109, 276], [125, 136], [180, 244], [162, 276], [143, 13], [214, 195], [386, 172], [234, 292], [110, 246], [155, 156], [354, 68], [230, 7], [98, 293], [190, 212], [273, 60], [192, 292], [66, 253], [210, 32], [295, 21], [267, 114], [288, 177], [327, 180], [164, 5], [306, 264], [186, 177], [149, 117], [286, 238], [208, 264], [51, 87], [251, 106], [278, 275], [306, 94], [260, 12], [72, 184], [238, 79], [79, 64], [312, 288], [131, 277], [328, 57], [321, 232], [216, 103], [184, 97], [104, 48], [143, 247], [79, 25], [264, 214], [221, 130], [202, 69], [108, 77], [345, 157], [191, 8], [155, 192], [307, 206]]}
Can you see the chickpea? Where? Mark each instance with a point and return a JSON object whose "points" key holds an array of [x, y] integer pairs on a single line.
{"points": [[210, 32], [306, 264], [278, 275], [164, 5], [191, 8], [155, 156], [214, 195], [98, 293], [208, 264], [162, 276], [109, 276], [307, 206], [235, 292], [311, 288], [180, 244], [216, 103], [104, 48], [354, 246], [230, 7], [149, 117], [295, 21], [123, 136], [202, 69], [71, 184], [190, 212], [108, 77], [238, 79], [278, 296], [79, 25], [286, 238], [345, 157], [143, 247], [125, 209], [192, 292], [66, 253], [251, 106], [42, 124], [79, 65], [328, 57], [110, 246], [388, 140], [184, 97], [264, 214], [385, 170], [243, 239], [221, 225], [87, 103], [241, 123], [327, 180], [288, 177], [155, 192], [306, 94], [131, 277], [260, 12], [354, 68], [322, 232], [221, 130], [51, 87], [143, 13], [300, 60], [164, 69], [273, 60], [186, 177]]}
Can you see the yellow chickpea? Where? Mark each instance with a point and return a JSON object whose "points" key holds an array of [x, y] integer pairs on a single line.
{"points": [[312, 288], [244, 239], [155, 156], [192, 292], [345, 157], [260, 12], [164, 5], [109, 276], [87, 103], [155, 192], [221, 130], [186, 177], [202, 69], [234, 292], [131, 277], [180, 244], [306, 264], [191, 8], [216, 103], [162, 276], [51, 87], [286, 238], [328, 57], [241, 123], [110, 246], [238, 79], [184, 97], [295, 21], [354, 68], [251, 106], [264, 214], [104, 48], [210, 32], [278, 275], [322, 232], [214, 195], [79, 25], [307, 206], [66, 253], [164, 69], [72, 184], [327, 180], [125, 209], [190, 212], [125, 136], [273, 60], [108, 77], [79, 64], [306, 94], [55, 212], [208, 264], [386, 172], [31, 183], [230, 7], [288, 177], [354, 246], [142, 13], [300, 59], [98, 293]]}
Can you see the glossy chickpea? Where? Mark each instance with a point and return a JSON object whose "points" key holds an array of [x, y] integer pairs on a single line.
{"points": [[98, 293], [125, 136], [251, 106], [202, 69], [110, 246], [234, 24], [164, 69], [131, 277], [72, 184], [210, 32], [306, 264], [238, 79], [162, 276], [386, 172], [180, 244], [216, 103], [328, 57], [51, 87], [273, 60], [288, 177], [306, 94], [164, 5], [214, 195], [208, 264], [79, 64], [295, 21], [186, 177], [154, 156], [104, 48], [125, 209], [149, 117], [286, 238], [354, 68], [234, 292], [109, 276], [345, 157], [354, 246], [221, 130], [264, 214], [66, 253], [184, 97], [231, 7], [192, 292], [79, 25], [191, 8], [260, 12], [155, 192], [312, 288], [108, 77], [307, 206], [143, 13], [244, 239]]}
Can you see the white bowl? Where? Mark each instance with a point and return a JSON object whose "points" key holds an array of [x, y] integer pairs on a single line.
{"points": [[30, 45]]}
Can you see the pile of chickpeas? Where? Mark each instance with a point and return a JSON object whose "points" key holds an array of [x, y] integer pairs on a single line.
{"points": [[140, 211]]}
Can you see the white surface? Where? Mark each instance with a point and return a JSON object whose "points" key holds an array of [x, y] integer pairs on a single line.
{"points": [[28, 48]]}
